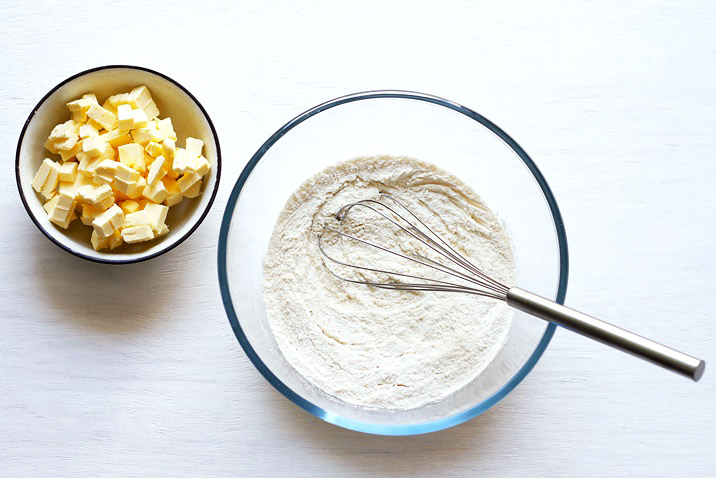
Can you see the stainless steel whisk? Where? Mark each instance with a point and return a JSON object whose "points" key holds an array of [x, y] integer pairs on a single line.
{"points": [[479, 283]]}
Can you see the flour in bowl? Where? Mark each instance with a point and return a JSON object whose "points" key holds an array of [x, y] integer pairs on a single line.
{"points": [[379, 348]]}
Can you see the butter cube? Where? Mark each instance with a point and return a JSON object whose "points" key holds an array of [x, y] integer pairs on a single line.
{"points": [[41, 174], [62, 212], [145, 135], [120, 99], [64, 131], [64, 135], [174, 194], [156, 215], [105, 171], [187, 181], [72, 187], [193, 191], [132, 155], [109, 107], [140, 118], [181, 159], [131, 189], [115, 240], [99, 242], [168, 148], [151, 110], [153, 149], [50, 205], [80, 107], [50, 146], [70, 154], [129, 206], [94, 146], [139, 97], [155, 192], [115, 215], [163, 231], [198, 165], [125, 173], [88, 163], [49, 188], [106, 203], [102, 116], [125, 118], [89, 213], [102, 226], [95, 194], [137, 234], [137, 218], [167, 129], [116, 138], [88, 131], [193, 146], [156, 170], [68, 172], [137, 188]]}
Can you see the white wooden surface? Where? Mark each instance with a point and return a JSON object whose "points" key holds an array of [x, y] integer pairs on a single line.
{"points": [[135, 371]]}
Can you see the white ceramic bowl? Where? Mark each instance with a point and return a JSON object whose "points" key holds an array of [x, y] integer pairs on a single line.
{"points": [[189, 119]]}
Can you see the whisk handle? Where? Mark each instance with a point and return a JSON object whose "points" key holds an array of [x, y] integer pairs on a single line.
{"points": [[605, 333]]}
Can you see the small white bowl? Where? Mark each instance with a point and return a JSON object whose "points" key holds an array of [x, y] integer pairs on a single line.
{"points": [[189, 119]]}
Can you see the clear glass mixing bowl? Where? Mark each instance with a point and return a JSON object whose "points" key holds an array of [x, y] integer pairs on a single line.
{"points": [[398, 123]]}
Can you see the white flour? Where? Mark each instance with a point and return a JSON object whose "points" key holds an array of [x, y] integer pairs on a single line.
{"points": [[384, 348]]}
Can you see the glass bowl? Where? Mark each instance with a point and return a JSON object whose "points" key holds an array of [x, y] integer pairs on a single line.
{"points": [[398, 123]]}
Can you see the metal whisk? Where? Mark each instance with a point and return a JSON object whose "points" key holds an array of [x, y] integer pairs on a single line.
{"points": [[465, 277]]}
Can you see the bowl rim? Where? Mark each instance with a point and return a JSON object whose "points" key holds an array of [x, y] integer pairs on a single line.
{"points": [[103, 260], [372, 428]]}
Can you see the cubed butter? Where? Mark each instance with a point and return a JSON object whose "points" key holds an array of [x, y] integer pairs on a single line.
{"points": [[156, 215], [116, 138], [62, 212], [156, 170], [155, 192], [139, 97], [88, 131], [125, 117], [193, 146], [115, 240], [198, 165], [137, 234], [105, 171], [129, 206], [131, 170], [68, 171], [72, 187], [187, 181], [99, 242], [94, 194], [167, 129], [125, 173], [132, 155], [49, 189], [193, 191], [102, 116], [174, 194], [94, 146], [71, 154], [140, 118], [41, 174], [153, 149], [50, 205]]}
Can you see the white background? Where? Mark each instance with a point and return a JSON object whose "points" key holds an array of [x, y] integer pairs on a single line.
{"points": [[134, 370]]}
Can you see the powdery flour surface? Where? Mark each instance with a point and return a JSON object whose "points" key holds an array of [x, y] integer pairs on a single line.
{"points": [[384, 348]]}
